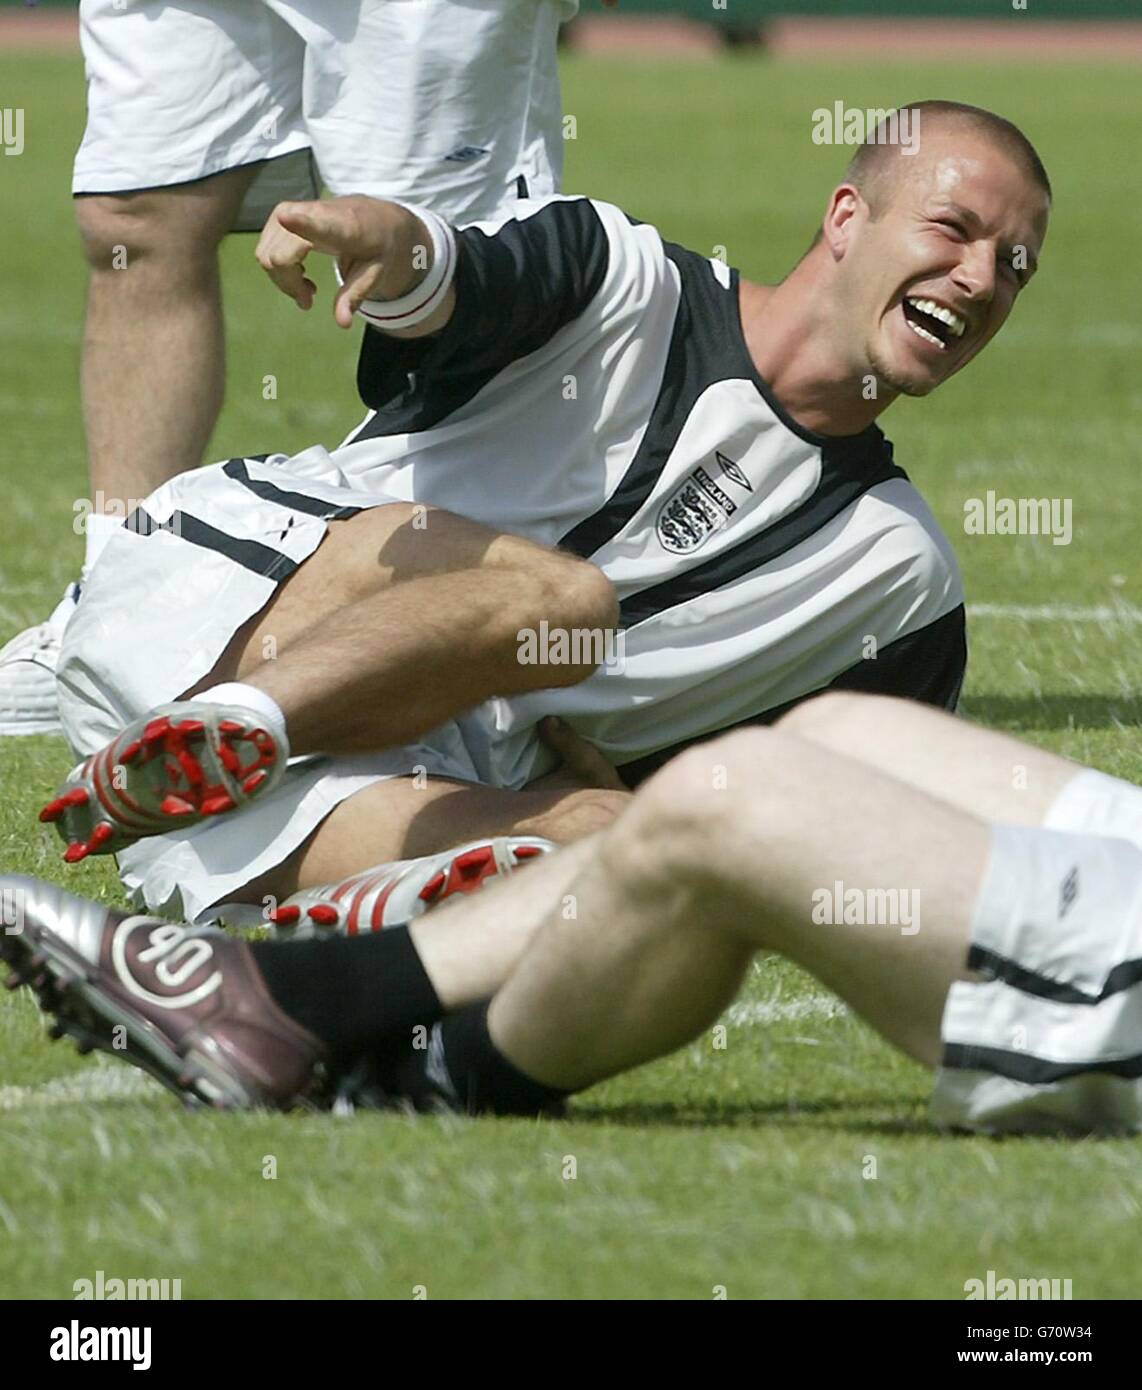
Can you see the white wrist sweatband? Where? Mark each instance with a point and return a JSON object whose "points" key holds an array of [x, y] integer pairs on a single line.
{"points": [[426, 298]]}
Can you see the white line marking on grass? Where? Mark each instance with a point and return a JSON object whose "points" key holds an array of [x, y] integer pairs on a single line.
{"points": [[1057, 612], [98, 1083], [755, 1011], [8, 1216]]}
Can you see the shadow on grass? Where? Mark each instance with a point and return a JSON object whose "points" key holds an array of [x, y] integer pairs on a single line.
{"points": [[841, 1116], [816, 1116], [1020, 712]]}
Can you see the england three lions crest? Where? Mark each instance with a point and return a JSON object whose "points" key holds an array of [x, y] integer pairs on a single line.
{"points": [[693, 512]]}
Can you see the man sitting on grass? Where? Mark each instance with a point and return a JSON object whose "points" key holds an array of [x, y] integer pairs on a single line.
{"points": [[583, 427]]}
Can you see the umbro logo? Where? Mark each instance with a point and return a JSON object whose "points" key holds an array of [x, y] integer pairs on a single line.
{"points": [[1068, 892], [463, 154], [733, 471]]}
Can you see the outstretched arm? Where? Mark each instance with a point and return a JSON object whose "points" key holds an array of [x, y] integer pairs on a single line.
{"points": [[384, 252]]}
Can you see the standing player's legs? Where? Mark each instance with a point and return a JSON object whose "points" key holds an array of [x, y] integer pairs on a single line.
{"points": [[154, 351], [187, 107]]}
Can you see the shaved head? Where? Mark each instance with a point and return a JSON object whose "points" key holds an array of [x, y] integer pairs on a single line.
{"points": [[878, 166], [882, 164], [934, 230]]}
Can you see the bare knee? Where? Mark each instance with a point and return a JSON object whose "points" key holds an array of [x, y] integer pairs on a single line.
{"points": [[121, 233], [714, 809], [577, 594], [178, 228], [681, 818], [566, 621]]}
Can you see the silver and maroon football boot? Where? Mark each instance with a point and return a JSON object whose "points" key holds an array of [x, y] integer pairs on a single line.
{"points": [[395, 893], [189, 1007], [173, 767]]}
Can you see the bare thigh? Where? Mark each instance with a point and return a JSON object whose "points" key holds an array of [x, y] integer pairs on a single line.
{"points": [[358, 558], [403, 818], [990, 774]]}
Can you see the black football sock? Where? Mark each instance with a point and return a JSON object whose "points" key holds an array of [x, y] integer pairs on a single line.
{"points": [[352, 992], [482, 1077]]}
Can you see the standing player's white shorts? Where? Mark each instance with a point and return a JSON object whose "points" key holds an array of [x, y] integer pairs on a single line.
{"points": [[1048, 1035], [451, 103]]}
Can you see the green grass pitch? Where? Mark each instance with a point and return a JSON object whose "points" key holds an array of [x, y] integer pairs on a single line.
{"points": [[746, 1168]]}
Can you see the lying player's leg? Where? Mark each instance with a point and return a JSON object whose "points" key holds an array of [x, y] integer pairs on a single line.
{"points": [[694, 879], [643, 935], [1015, 971], [402, 818], [991, 774], [434, 838], [403, 618]]}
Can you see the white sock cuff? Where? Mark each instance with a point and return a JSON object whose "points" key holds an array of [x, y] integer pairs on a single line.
{"points": [[422, 301], [238, 693], [1094, 803]]}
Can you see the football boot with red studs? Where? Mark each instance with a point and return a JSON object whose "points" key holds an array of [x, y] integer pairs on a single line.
{"points": [[395, 893], [175, 766]]}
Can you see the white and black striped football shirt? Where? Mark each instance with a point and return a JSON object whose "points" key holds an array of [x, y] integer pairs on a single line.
{"points": [[593, 390]]}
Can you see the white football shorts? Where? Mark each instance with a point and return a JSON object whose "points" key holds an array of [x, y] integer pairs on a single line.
{"points": [[451, 103], [1050, 1036], [209, 551]]}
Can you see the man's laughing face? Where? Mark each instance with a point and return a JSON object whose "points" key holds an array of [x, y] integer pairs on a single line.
{"points": [[932, 270]]}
